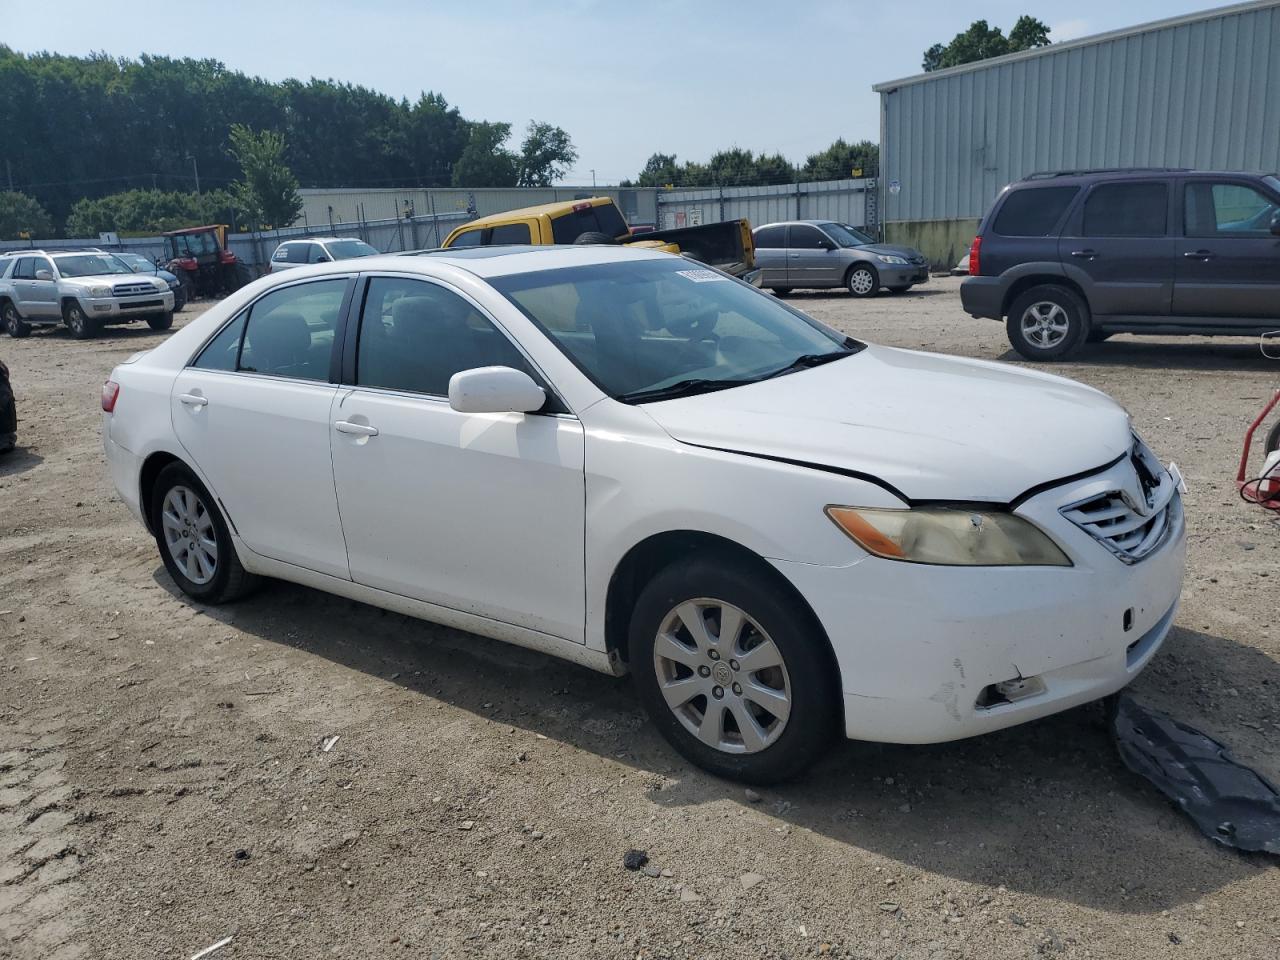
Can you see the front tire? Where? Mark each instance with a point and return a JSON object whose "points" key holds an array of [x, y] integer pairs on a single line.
{"points": [[733, 670], [14, 325], [1047, 322], [82, 327], [194, 542], [160, 321], [900, 289], [862, 280]]}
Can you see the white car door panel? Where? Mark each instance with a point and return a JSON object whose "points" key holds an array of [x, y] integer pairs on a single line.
{"points": [[479, 512]]}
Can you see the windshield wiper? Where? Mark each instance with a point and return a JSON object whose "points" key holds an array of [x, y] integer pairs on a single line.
{"points": [[807, 360], [681, 388]]}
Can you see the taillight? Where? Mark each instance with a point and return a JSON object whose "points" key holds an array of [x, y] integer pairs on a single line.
{"points": [[110, 394], [975, 263]]}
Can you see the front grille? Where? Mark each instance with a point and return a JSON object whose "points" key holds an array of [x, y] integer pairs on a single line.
{"points": [[133, 289], [1130, 522], [141, 304]]}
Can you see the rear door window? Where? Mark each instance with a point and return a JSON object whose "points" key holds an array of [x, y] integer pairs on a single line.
{"points": [[1033, 212], [602, 219], [770, 237], [468, 238], [290, 331], [1127, 210], [511, 233], [26, 269], [298, 252]]}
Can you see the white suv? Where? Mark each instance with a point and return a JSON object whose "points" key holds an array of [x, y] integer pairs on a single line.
{"points": [[83, 289], [299, 253]]}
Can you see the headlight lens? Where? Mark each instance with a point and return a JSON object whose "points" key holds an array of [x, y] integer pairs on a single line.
{"points": [[889, 258], [950, 536], [99, 291]]}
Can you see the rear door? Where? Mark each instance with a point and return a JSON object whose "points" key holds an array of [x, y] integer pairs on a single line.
{"points": [[1119, 246], [252, 411], [812, 260], [1228, 263], [771, 255]]}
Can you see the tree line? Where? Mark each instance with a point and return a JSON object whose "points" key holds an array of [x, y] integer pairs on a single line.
{"points": [[737, 167], [88, 127]]}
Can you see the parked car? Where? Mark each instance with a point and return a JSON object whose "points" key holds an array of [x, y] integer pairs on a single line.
{"points": [[634, 463], [1075, 256], [83, 290], [298, 253], [8, 412], [725, 245], [140, 264], [824, 253]]}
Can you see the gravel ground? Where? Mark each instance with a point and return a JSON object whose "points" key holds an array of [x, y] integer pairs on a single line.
{"points": [[163, 782]]}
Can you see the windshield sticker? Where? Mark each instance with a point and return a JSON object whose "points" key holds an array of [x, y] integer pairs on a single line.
{"points": [[701, 276]]}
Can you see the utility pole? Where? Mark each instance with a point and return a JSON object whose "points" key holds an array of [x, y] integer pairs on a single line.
{"points": [[593, 178], [9, 167], [195, 168]]}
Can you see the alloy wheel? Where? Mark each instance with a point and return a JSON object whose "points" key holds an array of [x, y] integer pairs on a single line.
{"points": [[189, 534], [1045, 324], [722, 676], [860, 282]]}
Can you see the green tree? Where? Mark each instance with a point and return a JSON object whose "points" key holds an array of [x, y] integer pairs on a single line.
{"points": [[545, 155], [150, 211], [659, 170], [981, 41], [20, 213], [268, 192], [839, 160], [485, 161]]}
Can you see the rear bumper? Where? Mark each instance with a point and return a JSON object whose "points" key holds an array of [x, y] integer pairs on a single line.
{"points": [[126, 471], [983, 297]]}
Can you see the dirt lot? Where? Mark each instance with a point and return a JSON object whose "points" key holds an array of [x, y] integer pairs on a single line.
{"points": [[163, 784]]}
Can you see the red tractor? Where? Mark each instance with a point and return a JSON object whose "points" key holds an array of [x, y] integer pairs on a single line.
{"points": [[199, 258]]}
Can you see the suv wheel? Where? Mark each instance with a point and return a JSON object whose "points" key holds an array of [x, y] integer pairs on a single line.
{"points": [[14, 325], [80, 325], [863, 281], [732, 670], [160, 321], [1047, 322]]}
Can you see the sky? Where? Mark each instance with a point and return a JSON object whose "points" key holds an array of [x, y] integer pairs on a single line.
{"points": [[624, 79]]}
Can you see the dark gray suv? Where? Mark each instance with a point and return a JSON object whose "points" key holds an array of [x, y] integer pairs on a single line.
{"points": [[1075, 256]]}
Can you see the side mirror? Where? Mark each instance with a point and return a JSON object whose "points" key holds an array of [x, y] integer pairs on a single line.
{"points": [[44, 274], [826, 244], [323, 259], [495, 390], [1275, 223]]}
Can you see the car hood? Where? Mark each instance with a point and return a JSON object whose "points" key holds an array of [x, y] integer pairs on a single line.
{"points": [[893, 250], [932, 427]]}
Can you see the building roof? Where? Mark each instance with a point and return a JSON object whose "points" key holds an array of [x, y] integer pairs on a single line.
{"points": [[890, 85]]}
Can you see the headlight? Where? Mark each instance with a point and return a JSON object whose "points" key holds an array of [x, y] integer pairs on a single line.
{"points": [[99, 292], [174, 284], [951, 536], [889, 258], [161, 285]]}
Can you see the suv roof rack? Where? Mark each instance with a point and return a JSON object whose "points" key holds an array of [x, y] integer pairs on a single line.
{"points": [[1050, 174]]}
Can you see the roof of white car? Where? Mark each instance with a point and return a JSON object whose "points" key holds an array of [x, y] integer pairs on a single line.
{"points": [[501, 261]]}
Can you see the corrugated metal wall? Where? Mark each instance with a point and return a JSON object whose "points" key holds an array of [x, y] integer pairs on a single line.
{"points": [[1203, 94], [341, 206], [842, 200]]}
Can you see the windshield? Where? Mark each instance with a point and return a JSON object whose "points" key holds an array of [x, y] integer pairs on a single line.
{"points": [[347, 249], [644, 329], [846, 235], [90, 265]]}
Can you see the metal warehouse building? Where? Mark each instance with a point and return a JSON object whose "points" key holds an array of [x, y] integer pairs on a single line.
{"points": [[1200, 91]]}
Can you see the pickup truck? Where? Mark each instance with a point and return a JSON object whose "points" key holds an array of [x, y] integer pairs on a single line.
{"points": [[726, 246]]}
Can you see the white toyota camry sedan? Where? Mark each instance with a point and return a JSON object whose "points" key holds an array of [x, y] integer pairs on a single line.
{"points": [[632, 462]]}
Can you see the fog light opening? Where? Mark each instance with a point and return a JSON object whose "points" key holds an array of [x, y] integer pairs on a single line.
{"points": [[1010, 691]]}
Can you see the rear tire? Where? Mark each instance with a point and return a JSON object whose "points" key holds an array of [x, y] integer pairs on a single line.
{"points": [[14, 325], [81, 325], [727, 722], [160, 321], [1047, 322], [193, 539], [781, 291], [862, 280], [593, 237]]}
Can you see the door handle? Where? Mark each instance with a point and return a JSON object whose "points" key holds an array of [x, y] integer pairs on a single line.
{"points": [[1085, 254], [192, 400], [794, 256], [355, 429], [1199, 254]]}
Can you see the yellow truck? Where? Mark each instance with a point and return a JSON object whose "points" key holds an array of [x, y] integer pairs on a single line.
{"points": [[726, 246]]}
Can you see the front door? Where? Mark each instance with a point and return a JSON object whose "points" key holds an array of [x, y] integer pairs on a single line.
{"points": [[37, 296], [482, 513], [1228, 263], [253, 413], [812, 260], [1122, 244]]}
